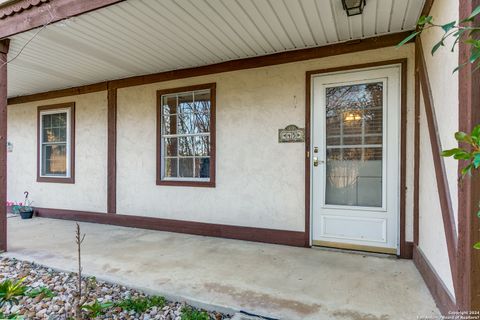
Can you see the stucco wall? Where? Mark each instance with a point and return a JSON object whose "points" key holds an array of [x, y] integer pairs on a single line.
{"points": [[444, 87], [89, 191], [260, 183]]}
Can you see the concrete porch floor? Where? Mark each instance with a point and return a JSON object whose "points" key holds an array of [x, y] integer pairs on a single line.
{"points": [[270, 280]]}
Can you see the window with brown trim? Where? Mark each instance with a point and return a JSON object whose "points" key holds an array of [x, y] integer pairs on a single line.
{"points": [[56, 143], [186, 136]]}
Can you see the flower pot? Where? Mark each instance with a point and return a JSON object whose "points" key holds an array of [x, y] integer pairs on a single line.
{"points": [[26, 215]]}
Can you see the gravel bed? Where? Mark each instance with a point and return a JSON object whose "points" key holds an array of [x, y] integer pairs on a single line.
{"points": [[63, 286]]}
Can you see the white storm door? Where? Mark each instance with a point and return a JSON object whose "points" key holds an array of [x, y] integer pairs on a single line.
{"points": [[355, 159]]}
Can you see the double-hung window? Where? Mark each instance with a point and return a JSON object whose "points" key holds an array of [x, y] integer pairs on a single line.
{"points": [[56, 143], [186, 131]]}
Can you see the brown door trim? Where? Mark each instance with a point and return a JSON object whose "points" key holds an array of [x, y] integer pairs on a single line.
{"points": [[405, 247], [416, 151]]}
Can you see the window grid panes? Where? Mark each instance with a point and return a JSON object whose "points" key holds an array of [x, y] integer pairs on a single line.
{"points": [[185, 141], [54, 144], [354, 145]]}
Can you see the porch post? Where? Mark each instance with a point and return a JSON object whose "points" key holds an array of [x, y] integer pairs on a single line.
{"points": [[469, 188], [4, 44]]}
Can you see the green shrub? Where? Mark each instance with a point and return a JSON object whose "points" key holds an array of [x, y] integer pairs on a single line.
{"points": [[44, 292], [189, 313], [97, 308], [142, 304], [11, 291]]}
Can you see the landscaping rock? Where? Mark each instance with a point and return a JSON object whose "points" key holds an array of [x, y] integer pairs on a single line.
{"points": [[63, 286]]}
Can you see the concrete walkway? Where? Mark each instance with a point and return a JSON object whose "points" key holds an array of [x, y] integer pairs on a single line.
{"points": [[271, 280]]}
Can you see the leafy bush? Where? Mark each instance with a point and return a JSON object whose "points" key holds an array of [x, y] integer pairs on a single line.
{"points": [[44, 292], [189, 313], [97, 308], [12, 291], [470, 154], [142, 304], [462, 30], [11, 316]]}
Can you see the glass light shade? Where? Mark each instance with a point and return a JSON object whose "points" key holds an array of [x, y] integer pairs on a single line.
{"points": [[353, 7]]}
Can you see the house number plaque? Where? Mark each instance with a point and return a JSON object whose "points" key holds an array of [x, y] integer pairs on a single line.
{"points": [[291, 133]]}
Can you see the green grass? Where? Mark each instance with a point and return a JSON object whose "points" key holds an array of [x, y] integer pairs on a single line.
{"points": [[141, 305], [188, 313]]}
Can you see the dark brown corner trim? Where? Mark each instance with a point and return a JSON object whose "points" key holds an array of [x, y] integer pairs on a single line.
{"points": [[112, 151], [468, 263], [213, 94], [291, 238], [437, 288], [405, 247], [71, 179], [4, 46], [240, 64], [427, 7], [3, 150], [439, 165]]}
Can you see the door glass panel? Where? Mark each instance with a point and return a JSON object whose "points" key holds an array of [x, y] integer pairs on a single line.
{"points": [[354, 145]]}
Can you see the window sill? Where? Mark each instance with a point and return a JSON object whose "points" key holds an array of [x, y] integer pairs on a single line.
{"points": [[56, 180], [173, 183]]}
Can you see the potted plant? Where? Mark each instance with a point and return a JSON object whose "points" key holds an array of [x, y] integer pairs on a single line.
{"points": [[25, 209]]}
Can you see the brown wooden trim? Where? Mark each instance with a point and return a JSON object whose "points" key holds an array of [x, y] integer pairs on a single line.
{"points": [[11, 7], [308, 169], [4, 45], [112, 151], [70, 179], [3, 151], [102, 86], [408, 250], [48, 13], [405, 247], [291, 238], [213, 94], [240, 64], [268, 60], [469, 188], [441, 295], [427, 7], [416, 151], [439, 165]]}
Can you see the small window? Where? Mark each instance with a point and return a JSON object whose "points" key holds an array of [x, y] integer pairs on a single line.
{"points": [[186, 131], [56, 143]]}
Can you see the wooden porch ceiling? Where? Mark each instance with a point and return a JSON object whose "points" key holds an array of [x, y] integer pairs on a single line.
{"points": [[137, 37]]}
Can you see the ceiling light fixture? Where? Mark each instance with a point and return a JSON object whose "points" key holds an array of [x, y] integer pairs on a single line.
{"points": [[354, 7]]}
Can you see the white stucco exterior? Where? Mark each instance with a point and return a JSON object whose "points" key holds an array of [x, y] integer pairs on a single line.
{"points": [[444, 86], [89, 193], [259, 182]]}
